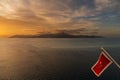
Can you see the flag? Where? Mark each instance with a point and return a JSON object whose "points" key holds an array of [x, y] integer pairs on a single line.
{"points": [[102, 63]]}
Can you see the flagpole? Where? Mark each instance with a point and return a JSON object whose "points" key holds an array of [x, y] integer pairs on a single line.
{"points": [[110, 57]]}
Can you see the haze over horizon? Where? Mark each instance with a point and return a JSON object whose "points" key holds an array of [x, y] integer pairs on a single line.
{"points": [[29, 17]]}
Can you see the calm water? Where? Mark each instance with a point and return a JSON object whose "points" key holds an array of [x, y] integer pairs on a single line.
{"points": [[55, 59]]}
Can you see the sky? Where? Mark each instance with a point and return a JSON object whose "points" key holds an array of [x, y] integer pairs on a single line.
{"points": [[84, 17]]}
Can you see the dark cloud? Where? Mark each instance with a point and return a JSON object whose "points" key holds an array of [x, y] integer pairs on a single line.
{"points": [[81, 31]]}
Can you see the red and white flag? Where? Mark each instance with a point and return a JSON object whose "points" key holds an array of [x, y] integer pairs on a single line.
{"points": [[102, 63]]}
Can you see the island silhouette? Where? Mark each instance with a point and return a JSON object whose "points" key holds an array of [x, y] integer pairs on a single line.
{"points": [[55, 35]]}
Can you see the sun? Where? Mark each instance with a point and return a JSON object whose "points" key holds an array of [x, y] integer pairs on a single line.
{"points": [[4, 31]]}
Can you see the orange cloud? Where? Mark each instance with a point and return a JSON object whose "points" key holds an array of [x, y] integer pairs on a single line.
{"points": [[10, 27]]}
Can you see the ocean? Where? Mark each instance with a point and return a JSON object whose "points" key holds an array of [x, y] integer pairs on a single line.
{"points": [[56, 58]]}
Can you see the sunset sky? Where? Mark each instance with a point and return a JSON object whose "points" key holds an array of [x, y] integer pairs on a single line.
{"points": [[26, 17]]}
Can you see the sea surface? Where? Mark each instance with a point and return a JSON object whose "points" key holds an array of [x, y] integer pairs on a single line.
{"points": [[56, 58]]}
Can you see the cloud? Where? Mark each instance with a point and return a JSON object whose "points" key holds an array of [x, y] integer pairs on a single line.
{"points": [[53, 9], [80, 31], [61, 14], [56, 11]]}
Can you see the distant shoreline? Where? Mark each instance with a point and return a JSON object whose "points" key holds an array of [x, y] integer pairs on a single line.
{"points": [[55, 36]]}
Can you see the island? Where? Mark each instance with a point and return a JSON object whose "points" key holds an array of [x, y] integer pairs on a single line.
{"points": [[55, 35]]}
